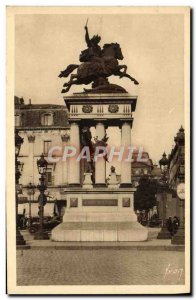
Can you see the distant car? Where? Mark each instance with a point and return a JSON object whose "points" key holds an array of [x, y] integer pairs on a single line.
{"points": [[48, 225]]}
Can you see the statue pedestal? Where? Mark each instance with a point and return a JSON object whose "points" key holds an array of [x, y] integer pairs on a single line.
{"points": [[88, 181], [101, 214], [112, 181]]}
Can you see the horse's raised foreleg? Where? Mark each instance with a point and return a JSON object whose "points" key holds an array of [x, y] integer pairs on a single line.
{"points": [[124, 72], [121, 74], [132, 78]]}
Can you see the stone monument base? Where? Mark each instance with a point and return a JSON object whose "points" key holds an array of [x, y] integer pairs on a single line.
{"points": [[99, 232], [100, 214]]}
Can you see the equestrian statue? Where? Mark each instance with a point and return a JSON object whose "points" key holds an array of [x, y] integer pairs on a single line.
{"points": [[96, 66]]}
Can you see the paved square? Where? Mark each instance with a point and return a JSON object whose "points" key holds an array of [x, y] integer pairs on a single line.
{"points": [[99, 267]]}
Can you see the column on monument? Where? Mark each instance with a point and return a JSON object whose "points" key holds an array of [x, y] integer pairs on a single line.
{"points": [[65, 139], [31, 139], [100, 163], [73, 164], [125, 165]]}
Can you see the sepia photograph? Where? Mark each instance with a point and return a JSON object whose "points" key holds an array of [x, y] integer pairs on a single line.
{"points": [[98, 150]]}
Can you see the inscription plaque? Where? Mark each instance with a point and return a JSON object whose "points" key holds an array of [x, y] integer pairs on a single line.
{"points": [[99, 202]]}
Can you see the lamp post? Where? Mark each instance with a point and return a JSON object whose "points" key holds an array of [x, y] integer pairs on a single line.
{"points": [[42, 199], [30, 192], [18, 187], [163, 188], [179, 238]]}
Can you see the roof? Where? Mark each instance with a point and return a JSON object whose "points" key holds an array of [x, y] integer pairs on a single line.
{"points": [[137, 163], [40, 106], [31, 114], [20, 104]]}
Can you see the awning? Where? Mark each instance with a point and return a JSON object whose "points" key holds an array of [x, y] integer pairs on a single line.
{"points": [[48, 209]]}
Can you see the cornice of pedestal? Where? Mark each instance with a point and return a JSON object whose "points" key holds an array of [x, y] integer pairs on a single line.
{"points": [[116, 98], [98, 190]]}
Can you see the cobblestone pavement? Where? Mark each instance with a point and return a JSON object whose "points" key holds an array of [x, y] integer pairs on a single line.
{"points": [[99, 267]]}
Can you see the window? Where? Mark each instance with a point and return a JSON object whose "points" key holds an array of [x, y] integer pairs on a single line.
{"points": [[47, 119], [47, 145], [49, 176], [17, 120]]}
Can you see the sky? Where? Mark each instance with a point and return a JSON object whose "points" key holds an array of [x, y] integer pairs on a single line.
{"points": [[153, 50]]}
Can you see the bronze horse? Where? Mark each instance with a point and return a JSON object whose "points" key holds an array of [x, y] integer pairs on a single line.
{"points": [[98, 69]]}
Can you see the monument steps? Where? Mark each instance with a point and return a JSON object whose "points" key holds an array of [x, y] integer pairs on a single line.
{"points": [[99, 231]]}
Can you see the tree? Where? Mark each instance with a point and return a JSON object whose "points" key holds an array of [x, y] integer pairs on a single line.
{"points": [[144, 198]]}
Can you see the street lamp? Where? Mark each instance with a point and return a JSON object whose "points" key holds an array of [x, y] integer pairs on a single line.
{"points": [[42, 199], [18, 187], [162, 189], [179, 237], [18, 171], [42, 165], [30, 192]]}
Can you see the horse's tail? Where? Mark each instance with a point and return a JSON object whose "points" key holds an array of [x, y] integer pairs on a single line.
{"points": [[68, 70]]}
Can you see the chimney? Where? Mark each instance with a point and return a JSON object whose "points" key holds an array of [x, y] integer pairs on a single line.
{"points": [[29, 101]]}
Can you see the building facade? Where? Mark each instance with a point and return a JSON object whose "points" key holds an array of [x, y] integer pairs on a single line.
{"points": [[177, 161], [176, 174], [42, 126], [141, 166], [176, 170]]}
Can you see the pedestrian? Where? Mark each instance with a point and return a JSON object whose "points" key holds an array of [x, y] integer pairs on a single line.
{"points": [[170, 226], [139, 218], [176, 224]]}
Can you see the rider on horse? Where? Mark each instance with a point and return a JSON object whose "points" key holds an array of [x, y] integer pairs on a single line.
{"points": [[94, 52]]}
